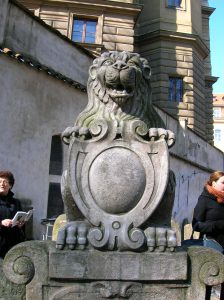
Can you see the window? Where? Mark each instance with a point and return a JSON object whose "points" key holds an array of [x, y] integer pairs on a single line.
{"points": [[175, 89], [216, 112], [55, 202], [174, 3], [84, 31], [217, 135], [56, 158]]}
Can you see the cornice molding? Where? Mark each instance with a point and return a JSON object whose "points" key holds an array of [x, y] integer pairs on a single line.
{"points": [[187, 38], [206, 10], [113, 6], [211, 79]]}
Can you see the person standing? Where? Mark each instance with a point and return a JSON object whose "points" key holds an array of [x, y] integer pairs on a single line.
{"points": [[208, 217], [9, 236]]}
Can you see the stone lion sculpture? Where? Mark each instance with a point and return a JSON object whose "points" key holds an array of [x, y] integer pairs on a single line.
{"points": [[119, 89], [117, 190]]}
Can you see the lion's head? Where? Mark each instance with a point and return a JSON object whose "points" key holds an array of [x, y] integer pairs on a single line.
{"points": [[119, 89]]}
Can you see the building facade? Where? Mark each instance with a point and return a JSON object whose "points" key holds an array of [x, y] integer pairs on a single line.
{"points": [[172, 34], [218, 117], [96, 25]]}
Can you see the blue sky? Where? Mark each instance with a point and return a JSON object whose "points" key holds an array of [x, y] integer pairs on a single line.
{"points": [[217, 44]]}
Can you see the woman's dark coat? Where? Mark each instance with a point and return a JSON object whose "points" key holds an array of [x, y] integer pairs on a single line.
{"points": [[9, 236], [209, 217]]}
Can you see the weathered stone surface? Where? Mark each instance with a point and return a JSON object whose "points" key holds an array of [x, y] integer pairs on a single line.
{"points": [[118, 168], [50, 274], [10, 290], [118, 38], [124, 47], [98, 265], [108, 188]]}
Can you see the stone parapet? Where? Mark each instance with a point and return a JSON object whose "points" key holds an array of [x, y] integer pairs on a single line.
{"points": [[49, 274]]}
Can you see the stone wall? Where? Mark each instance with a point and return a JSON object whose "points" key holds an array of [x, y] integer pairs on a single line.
{"points": [[192, 159], [34, 107]]}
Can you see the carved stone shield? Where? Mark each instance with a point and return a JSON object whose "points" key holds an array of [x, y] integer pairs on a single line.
{"points": [[117, 183]]}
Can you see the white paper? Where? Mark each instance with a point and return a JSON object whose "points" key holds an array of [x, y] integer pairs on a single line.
{"points": [[21, 216]]}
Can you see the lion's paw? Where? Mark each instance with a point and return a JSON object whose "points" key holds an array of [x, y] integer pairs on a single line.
{"points": [[74, 131], [161, 239], [161, 133], [74, 235]]}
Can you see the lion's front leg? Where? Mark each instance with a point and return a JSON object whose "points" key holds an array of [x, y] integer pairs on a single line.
{"points": [[77, 131], [161, 133], [74, 235], [160, 239]]}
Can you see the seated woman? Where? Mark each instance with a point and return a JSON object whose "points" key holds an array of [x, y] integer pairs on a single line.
{"points": [[9, 236]]}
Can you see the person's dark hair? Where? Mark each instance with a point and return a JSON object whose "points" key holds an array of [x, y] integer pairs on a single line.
{"points": [[9, 176], [215, 176]]}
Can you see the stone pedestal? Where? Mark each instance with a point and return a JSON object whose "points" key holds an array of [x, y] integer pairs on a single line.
{"points": [[51, 274]]}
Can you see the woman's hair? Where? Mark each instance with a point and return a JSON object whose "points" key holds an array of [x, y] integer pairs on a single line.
{"points": [[215, 176], [9, 176]]}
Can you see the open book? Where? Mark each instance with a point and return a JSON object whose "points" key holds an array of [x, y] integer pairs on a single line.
{"points": [[22, 216]]}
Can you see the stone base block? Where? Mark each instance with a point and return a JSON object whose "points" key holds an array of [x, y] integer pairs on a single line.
{"points": [[50, 274]]}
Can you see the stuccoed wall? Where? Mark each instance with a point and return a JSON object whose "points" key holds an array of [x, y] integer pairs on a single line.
{"points": [[34, 106]]}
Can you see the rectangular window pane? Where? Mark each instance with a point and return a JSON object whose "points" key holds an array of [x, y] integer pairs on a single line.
{"points": [[179, 88], [171, 89], [90, 31], [78, 28]]}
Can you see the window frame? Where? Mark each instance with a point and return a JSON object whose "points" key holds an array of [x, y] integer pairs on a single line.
{"points": [[217, 135], [57, 163], [217, 112], [175, 88], [84, 29], [182, 5]]}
